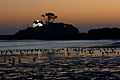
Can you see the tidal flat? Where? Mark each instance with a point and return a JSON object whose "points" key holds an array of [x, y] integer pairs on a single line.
{"points": [[60, 66]]}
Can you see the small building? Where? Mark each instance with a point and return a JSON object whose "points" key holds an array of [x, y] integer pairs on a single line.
{"points": [[37, 23]]}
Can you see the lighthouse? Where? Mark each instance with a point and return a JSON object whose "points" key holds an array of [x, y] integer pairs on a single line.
{"points": [[37, 23]]}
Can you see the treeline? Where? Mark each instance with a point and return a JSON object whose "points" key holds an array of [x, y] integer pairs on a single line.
{"points": [[101, 33], [67, 32], [104, 33]]}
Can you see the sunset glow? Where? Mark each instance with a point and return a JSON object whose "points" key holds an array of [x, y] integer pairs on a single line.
{"points": [[77, 12]]}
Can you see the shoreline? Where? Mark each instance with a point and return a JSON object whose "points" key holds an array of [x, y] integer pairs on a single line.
{"points": [[60, 63], [75, 51]]}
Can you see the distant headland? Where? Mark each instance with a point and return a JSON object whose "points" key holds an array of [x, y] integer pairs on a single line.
{"points": [[47, 29]]}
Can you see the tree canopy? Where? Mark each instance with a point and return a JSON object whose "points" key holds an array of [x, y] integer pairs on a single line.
{"points": [[48, 17]]}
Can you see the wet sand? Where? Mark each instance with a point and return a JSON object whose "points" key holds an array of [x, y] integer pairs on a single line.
{"points": [[69, 65]]}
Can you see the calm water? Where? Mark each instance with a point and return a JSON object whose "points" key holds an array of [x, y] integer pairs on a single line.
{"points": [[31, 44]]}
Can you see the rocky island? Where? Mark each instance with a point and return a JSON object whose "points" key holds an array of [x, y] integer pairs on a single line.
{"points": [[47, 29]]}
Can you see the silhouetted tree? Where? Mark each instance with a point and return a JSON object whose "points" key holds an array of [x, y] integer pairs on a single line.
{"points": [[48, 17], [50, 30]]}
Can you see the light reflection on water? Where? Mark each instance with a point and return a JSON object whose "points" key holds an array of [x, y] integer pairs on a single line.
{"points": [[35, 44]]}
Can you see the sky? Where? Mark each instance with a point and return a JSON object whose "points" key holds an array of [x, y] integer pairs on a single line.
{"points": [[84, 14]]}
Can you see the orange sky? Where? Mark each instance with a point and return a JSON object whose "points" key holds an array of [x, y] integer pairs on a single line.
{"points": [[77, 12]]}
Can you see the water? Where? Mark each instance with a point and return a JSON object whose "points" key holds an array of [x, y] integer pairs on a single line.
{"points": [[35, 44], [58, 66]]}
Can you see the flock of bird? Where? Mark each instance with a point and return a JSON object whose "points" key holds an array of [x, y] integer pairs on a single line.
{"points": [[66, 51]]}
